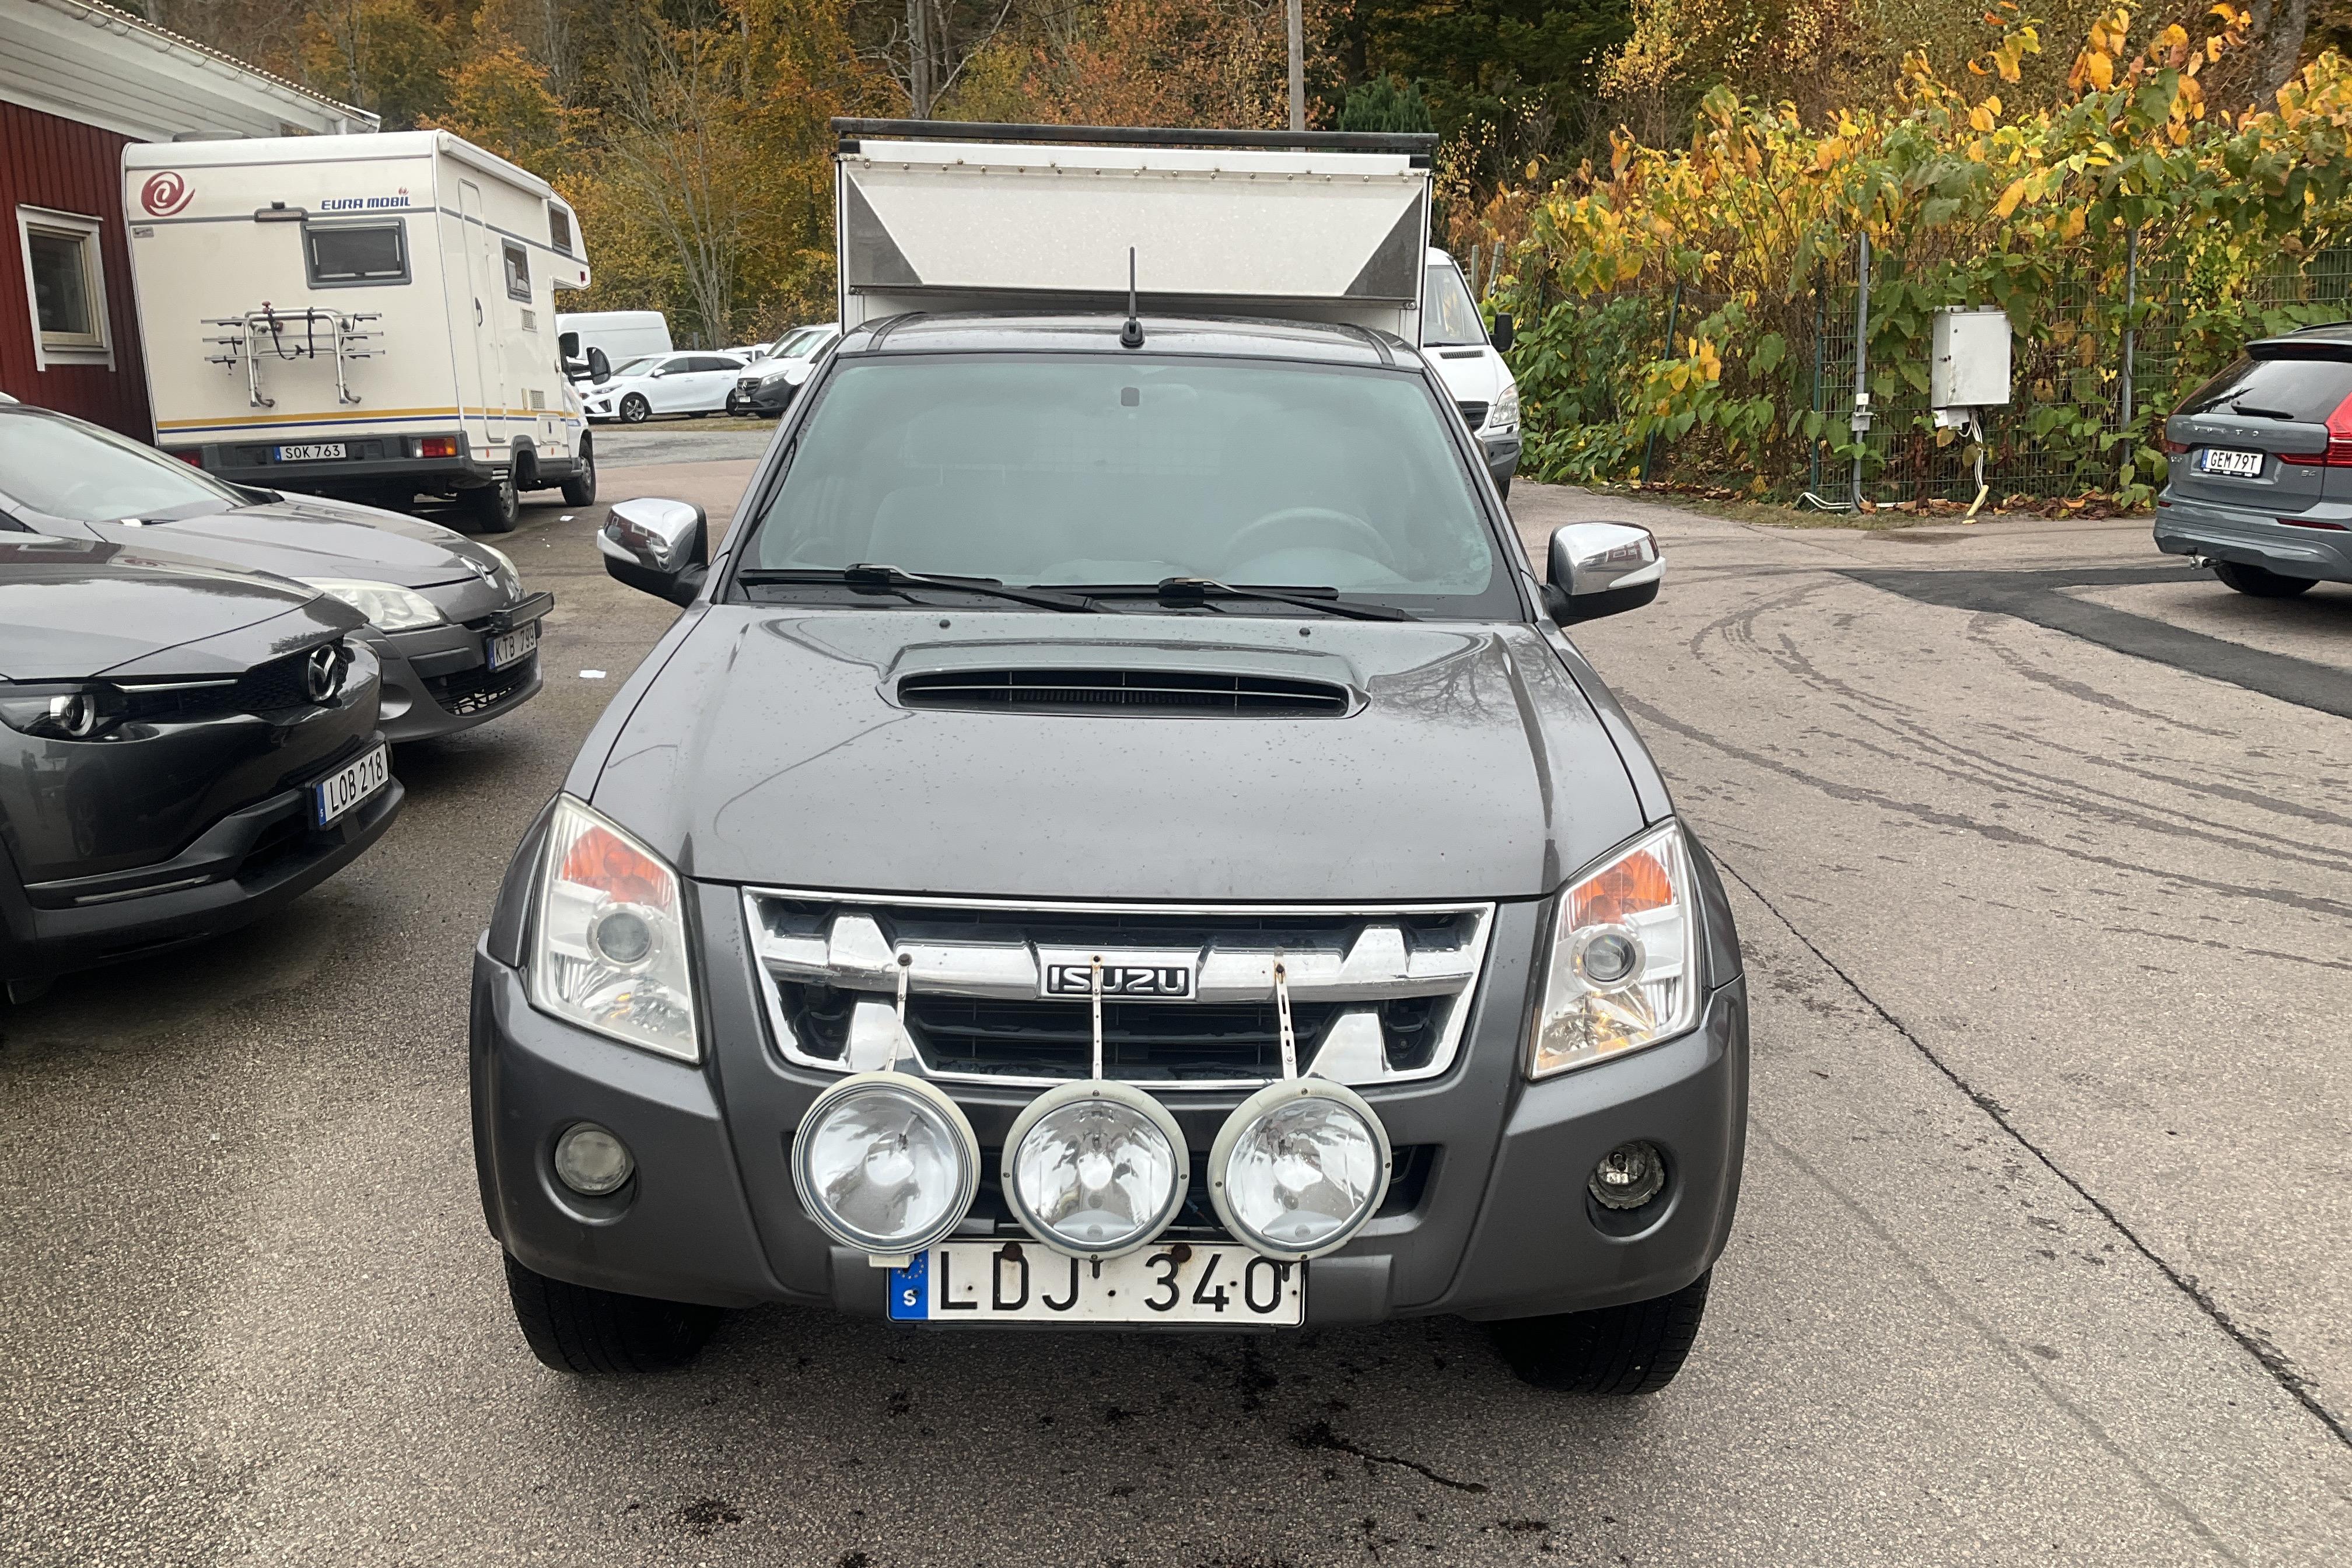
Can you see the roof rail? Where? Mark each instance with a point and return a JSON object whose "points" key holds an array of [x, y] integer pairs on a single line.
{"points": [[849, 129]]}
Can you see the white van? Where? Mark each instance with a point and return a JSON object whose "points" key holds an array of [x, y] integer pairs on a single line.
{"points": [[366, 316], [1471, 364], [617, 335]]}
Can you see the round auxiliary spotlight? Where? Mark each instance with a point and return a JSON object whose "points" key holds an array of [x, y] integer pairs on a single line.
{"points": [[1298, 1167], [886, 1163], [1096, 1170]]}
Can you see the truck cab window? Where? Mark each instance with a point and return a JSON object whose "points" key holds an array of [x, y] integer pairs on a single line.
{"points": [[344, 253]]}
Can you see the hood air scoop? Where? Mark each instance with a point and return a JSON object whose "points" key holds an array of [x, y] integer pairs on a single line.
{"points": [[1173, 693]]}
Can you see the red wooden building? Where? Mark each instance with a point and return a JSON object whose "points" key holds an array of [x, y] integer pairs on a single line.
{"points": [[77, 81]]}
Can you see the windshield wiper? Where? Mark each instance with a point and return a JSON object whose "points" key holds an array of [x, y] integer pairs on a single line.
{"points": [[2259, 412], [1180, 592], [867, 575]]}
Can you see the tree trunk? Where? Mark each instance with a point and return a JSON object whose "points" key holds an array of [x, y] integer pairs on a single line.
{"points": [[2281, 51], [918, 60]]}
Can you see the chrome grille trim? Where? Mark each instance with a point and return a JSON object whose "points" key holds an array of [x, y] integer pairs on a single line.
{"points": [[847, 950]]}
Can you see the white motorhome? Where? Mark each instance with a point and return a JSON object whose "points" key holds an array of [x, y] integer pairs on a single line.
{"points": [[1304, 234], [618, 335], [368, 316]]}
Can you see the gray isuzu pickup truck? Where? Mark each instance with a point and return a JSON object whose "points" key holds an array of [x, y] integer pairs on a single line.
{"points": [[1116, 837]]}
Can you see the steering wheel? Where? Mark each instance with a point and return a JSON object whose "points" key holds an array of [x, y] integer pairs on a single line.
{"points": [[1297, 525]]}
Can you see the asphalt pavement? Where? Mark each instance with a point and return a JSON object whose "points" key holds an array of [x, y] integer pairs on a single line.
{"points": [[2042, 849]]}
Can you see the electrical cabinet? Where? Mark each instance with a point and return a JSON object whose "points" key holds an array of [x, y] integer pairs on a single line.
{"points": [[1969, 366]]}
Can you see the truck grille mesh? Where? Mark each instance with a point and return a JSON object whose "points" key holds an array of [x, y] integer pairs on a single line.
{"points": [[1377, 995]]}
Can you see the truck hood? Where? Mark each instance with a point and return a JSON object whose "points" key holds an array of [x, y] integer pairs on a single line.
{"points": [[309, 536], [1471, 374], [772, 748]]}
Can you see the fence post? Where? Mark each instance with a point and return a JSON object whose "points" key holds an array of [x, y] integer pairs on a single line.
{"points": [[2131, 301], [1861, 364], [1673, 310], [1813, 443]]}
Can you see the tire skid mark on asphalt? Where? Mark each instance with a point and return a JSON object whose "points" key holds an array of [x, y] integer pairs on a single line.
{"points": [[1981, 624], [2276, 803], [1998, 833], [2280, 1367]]}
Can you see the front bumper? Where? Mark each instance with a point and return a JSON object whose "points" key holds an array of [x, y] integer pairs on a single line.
{"points": [[247, 864], [2247, 538], [767, 398], [438, 679], [1500, 1226], [1502, 456]]}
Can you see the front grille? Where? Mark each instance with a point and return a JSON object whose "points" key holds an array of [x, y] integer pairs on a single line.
{"points": [[267, 691], [480, 688], [1377, 995], [1476, 412], [1124, 691]]}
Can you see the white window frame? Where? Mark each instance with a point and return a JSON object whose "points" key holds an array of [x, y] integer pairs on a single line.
{"points": [[59, 348]]}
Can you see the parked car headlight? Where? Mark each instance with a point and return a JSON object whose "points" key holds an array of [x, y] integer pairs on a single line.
{"points": [[1298, 1167], [1624, 968], [886, 1163], [62, 709], [608, 944], [390, 607], [1502, 417]]}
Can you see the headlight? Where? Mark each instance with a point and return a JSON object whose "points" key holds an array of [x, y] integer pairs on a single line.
{"points": [[393, 608], [1096, 1170], [62, 709], [886, 1163], [1621, 972], [1298, 1168], [1502, 417], [608, 947], [781, 372]]}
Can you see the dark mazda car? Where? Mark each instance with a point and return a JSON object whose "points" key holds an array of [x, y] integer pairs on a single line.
{"points": [[447, 617], [182, 749], [2256, 453]]}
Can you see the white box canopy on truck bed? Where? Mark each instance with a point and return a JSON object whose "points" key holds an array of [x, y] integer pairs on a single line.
{"points": [[1327, 227]]}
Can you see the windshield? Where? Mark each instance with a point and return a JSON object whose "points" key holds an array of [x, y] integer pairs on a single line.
{"points": [[1448, 315], [62, 468], [795, 344], [1103, 471], [638, 366]]}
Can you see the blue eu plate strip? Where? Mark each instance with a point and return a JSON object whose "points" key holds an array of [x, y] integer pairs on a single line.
{"points": [[910, 1289]]}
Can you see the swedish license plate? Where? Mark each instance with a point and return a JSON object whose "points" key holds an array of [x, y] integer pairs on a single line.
{"points": [[509, 648], [974, 1282], [2235, 465], [345, 788], [317, 451]]}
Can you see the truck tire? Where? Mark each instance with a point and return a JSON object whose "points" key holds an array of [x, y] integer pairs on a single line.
{"points": [[580, 490], [1634, 1349], [634, 409], [494, 509], [600, 1334], [2260, 584]]}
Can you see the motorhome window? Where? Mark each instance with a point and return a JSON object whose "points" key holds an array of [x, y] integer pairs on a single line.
{"points": [[69, 288], [344, 254], [558, 229], [1120, 470], [518, 272], [1448, 315]]}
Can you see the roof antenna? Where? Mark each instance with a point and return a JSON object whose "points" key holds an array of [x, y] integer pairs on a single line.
{"points": [[1130, 336]]}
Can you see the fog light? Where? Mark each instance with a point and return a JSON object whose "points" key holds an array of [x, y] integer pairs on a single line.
{"points": [[1298, 1168], [1629, 1175], [886, 1163], [592, 1160], [1096, 1170]]}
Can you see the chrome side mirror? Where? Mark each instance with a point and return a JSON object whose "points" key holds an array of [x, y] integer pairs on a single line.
{"points": [[655, 545], [1599, 569]]}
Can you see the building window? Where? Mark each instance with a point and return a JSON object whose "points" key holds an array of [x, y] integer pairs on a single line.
{"points": [[65, 281], [518, 272], [558, 229], [354, 254]]}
